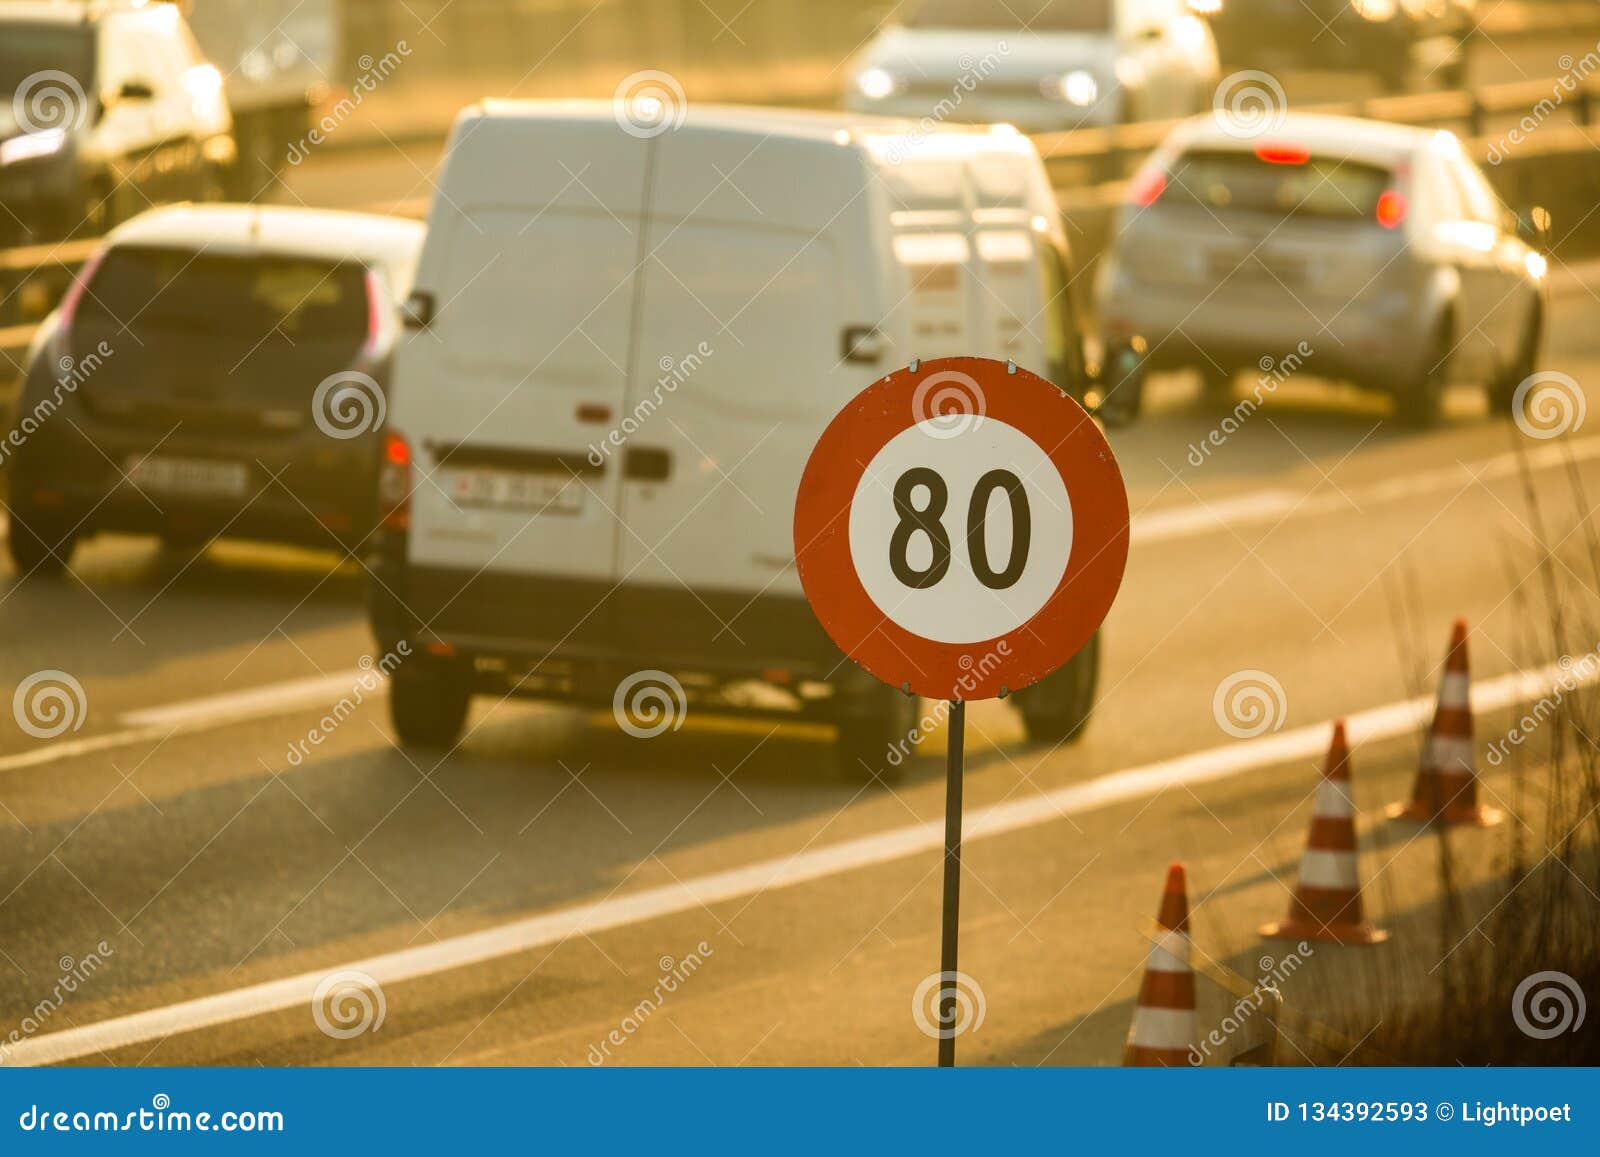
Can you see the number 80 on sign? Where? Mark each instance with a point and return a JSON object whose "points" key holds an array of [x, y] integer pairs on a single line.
{"points": [[961, 528]]}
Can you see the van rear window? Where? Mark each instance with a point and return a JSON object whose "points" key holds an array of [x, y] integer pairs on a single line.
{"points": [[1301, 186], [252, 296]]}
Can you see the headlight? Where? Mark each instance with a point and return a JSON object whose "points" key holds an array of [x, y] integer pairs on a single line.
{"points": [[1077, 87], [31, 145], [1375, 10], [876, 83]]}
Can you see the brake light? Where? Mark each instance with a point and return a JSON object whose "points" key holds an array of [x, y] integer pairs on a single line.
{"points": [[1283, 154], [69, 301], [1147, 185], [377, 315], [394, 482], [1391, 208]]}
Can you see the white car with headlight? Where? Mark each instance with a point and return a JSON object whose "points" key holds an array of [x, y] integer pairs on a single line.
{"points": [[1038, 64]]}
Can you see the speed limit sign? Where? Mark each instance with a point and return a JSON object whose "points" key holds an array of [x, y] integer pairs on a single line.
{"points": [[961, 528]]}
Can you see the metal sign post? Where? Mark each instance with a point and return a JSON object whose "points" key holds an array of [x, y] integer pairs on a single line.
{"points": [[960, 531], [955, 736]]}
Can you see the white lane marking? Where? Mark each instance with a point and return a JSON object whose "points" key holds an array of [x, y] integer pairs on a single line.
{"points": [[204, 714], [255, 703], [1261, 506], [548, 928]]}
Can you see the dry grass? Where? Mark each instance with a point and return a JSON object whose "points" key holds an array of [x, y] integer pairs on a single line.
{"points": [[1538, 910]]}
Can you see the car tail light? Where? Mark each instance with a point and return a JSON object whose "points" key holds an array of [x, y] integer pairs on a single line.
{"points": [[377, 316], [394, 482], [1391, 208], [1147, 185], [1283, 154], [74, 295]]}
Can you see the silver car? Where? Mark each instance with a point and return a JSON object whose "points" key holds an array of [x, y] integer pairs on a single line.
{"points": [[1346, 249], [1037, 64]]}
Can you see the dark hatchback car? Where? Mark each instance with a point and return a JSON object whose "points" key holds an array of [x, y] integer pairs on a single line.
{"points": [[105, 109], [216, 371]]}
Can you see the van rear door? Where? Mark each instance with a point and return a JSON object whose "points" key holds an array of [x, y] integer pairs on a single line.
{"points": [[510, 394], [760, 261]]}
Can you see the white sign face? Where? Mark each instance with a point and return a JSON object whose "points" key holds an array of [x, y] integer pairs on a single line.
{"points": [[961, 528], [960, 535]]}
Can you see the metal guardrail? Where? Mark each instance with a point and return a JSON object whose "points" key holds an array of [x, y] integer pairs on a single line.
{"points": [[1110, 153], [1089, 167]]}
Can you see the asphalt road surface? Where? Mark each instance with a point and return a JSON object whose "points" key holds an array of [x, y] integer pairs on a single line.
{"points": [[521, 900]]}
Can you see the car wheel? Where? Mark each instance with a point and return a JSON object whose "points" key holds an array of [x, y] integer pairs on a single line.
{"points": [[1216, 385], [1122, 386], [1417, 402], [1503, 391], [877, 737], [428, 701], [37, 546], [1394, 67], [1057, 709]]}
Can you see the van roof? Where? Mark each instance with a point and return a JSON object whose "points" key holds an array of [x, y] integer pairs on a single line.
{"points": [[1351, 138], [277, 229], [897, 134]]}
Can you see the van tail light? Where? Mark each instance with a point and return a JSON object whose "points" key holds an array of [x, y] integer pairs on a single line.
{"points": [[1147, 185], [1392, 207], [394, 482]]}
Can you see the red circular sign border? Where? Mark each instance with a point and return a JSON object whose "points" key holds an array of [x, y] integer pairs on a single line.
{"points": [[1021, 656]]}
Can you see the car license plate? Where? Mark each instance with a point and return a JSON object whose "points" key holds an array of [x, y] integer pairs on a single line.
{"points": [[1256, 265], [189, 476], [518, 490]]}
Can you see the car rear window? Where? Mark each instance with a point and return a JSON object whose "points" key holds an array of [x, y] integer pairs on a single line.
{"points": [[1293, 185], [250, 296]]}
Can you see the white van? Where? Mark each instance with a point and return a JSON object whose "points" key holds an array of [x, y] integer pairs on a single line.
{"points": [[622, 347]]}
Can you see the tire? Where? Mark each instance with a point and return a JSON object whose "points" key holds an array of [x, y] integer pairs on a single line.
{"points": [[1503, 390], [46, 553], [1122, 387], [1394, 67], [1417, 402], [1216, 386], [1057, 709], [875, 739], [428, 702]]}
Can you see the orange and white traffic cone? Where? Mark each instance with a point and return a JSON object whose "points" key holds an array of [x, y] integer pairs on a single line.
{"points": [[1327, 900], [1446, 790], [1164, 1030]]}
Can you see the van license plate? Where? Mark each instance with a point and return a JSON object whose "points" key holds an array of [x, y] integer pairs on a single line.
{"points": [[518, 490], [191, 476]]}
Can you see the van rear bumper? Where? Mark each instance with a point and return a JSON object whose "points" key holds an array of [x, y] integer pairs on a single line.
{"points": [[526, 621]]}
